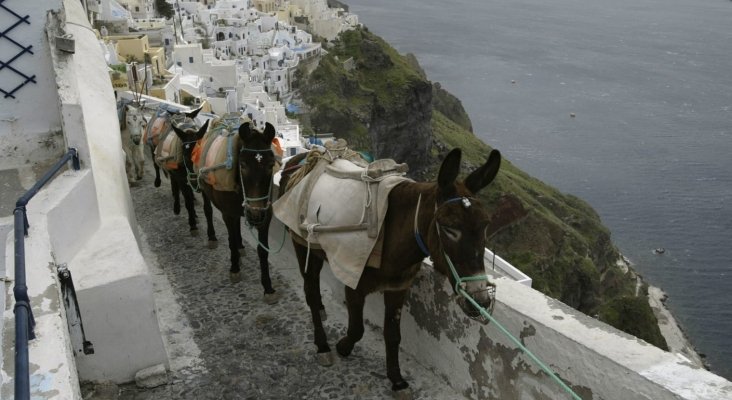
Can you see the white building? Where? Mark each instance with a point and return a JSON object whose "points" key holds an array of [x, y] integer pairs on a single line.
{"points": [[140, 9]]}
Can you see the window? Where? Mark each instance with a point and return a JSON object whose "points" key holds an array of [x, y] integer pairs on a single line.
{"points": [[167, 41], [190, 60], [137, 9]]}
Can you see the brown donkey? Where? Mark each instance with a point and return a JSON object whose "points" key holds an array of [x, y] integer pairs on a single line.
{"points": [[254, 163], [443, 220]]}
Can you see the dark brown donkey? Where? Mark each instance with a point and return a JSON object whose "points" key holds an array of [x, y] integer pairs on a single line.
{"points": [[441, 220], [255, 163], [180, 173]]}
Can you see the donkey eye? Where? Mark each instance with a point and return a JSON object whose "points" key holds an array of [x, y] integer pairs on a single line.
{"points": [[451, 233]]}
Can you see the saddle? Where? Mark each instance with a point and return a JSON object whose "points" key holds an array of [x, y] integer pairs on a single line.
{"points": [[218, 156], [169, 150], [340, 206]]}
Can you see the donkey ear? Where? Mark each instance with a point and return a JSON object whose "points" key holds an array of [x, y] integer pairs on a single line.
{"points": [[181, 133], [449, 169], [484, 175], [269, 132], [203, 130], [193, 113], [245, 131]]}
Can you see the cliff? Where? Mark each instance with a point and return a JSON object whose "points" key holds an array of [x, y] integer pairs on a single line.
{"points": [[381, 102]]}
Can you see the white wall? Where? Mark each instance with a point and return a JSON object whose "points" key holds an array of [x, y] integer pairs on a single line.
{"points": [[82, 219], [29, 123]]}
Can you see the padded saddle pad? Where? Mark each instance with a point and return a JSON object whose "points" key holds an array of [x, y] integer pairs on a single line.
{"points": [[354, 209]]}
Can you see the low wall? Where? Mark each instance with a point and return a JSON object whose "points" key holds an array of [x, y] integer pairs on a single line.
{"points": [[112, 280], [594, 359]]}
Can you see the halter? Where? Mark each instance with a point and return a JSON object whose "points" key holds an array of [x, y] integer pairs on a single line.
{"points": [[191, 174], [246, 200], [460, 282]]}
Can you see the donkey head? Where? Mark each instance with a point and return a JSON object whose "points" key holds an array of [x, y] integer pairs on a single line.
{"points": [[256, 163], [189, 135], [457, 236], [135, 123]]}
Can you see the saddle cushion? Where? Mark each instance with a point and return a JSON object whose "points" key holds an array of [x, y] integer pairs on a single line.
{"points": [[218, 160], [322, 199], [169, 152], [155, 129]]}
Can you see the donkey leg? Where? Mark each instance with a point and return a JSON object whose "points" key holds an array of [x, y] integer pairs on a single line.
{"points": [[156, 167], [393, 302], [175, 189], [311, 286], [270, 296], [354, 302], [139, 163], [232, 227], [188, 199], [129, 167], [208, 213]]}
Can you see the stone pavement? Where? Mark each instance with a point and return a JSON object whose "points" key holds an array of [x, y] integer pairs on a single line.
{"points": [[224, 342]]}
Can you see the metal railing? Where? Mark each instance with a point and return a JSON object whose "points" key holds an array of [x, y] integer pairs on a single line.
{"points": [[24, 321]]}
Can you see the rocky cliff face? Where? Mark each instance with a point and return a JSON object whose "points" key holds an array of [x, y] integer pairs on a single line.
{"points": [[378, 105], [381, 102]]}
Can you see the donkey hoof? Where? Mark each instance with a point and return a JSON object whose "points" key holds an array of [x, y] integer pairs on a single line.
{"points": [[157, 182], [343, 349], [323, 315], [194, 232], [234, 277], [212, 244], [271, 298], [176, 209], [403, 394], [325, 359]]}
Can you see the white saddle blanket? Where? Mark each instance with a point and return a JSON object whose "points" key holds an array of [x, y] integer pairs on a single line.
{"points": [[346, 206]]}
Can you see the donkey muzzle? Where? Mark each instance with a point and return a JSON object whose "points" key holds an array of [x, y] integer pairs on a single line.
{"points": [[483, 293]]}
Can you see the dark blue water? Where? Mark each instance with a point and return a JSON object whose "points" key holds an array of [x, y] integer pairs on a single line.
{"points": [[650, 148]]}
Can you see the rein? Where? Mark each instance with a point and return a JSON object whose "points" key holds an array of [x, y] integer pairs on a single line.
{"points": [[191, 174]]}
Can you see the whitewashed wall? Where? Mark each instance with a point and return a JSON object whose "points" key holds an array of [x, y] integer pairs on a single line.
{"points": [[82, 219]]}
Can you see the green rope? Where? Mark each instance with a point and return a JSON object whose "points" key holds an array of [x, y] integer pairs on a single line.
{"points": [[485, 314], [269, 250]]}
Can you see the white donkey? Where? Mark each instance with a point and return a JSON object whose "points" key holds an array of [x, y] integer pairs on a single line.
{"points": [[132, 142]]}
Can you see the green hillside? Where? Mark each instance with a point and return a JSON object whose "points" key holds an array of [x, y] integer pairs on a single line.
{"points": [[381, 101]]}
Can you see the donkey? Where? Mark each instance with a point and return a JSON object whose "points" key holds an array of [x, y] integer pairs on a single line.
{"points": [[182, 175], [160, 124], [442, 220], [132, 142], [255, 163]]}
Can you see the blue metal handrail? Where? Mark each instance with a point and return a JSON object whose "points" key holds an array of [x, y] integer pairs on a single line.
{"points": [[24, 321]]}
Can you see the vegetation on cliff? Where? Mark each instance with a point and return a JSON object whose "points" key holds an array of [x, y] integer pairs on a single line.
{"points": [[381, 102]]}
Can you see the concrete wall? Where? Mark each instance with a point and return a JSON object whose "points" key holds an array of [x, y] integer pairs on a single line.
{"points": [[111, 275], [595, 360], [82, 219]]}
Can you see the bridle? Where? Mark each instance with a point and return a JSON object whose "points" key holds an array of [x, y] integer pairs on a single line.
{"points": [[461, 283], [191, 174], [246, 200]]}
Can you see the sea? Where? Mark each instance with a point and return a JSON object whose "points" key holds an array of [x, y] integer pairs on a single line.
{"points": [[626, 104]]}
